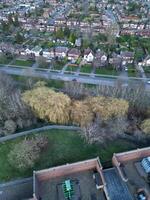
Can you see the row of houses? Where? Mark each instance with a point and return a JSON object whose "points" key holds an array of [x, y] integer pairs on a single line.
{"points": [[99, 58]]}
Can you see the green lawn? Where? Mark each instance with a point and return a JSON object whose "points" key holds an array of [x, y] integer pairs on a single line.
{"points": [[25, 63], [86, 69], [50, 83], [5, 62], [106, 71], [147, 71], [58, 66], [72, 68], [132, 71], [64, 147]]}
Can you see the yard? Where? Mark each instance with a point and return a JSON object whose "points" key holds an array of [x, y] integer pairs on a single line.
{"points": [[106, 71], [72, 68], [64, 147], [86, 69], [147, 71], [58, 65], [132, 71], [24, 63]]}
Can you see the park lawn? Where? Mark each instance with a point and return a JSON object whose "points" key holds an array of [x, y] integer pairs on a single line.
{"points": [[25, 63], [58, 66], [86, 69], [64, 147], [106, 71], [72, 68]]}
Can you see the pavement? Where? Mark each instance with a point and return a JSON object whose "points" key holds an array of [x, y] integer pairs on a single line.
{"points": [[17, 190]]}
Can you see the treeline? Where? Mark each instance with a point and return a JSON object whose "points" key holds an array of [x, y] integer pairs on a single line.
{"points": [[14, 114]]}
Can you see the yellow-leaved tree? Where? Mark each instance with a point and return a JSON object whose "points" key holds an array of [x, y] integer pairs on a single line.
{"points": [[107, 108], [146, 126], [81, 114], [48, 104]]}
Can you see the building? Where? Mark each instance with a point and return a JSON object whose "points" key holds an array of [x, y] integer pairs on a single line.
{"points": [[73, 54], [81, 180], [133, 168], [88, 55], [61, 52], [128, 179]]}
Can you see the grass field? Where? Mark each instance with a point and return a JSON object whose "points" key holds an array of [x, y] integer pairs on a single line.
{"points": [[25, 63], [131, 71], [86, 69], [64, 147], [72, 68], [106, 71]]}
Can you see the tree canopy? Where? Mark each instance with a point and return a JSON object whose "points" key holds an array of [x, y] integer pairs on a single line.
{"points": [[48, 104]]}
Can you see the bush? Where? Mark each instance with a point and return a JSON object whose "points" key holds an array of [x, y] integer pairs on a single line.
{"points": [[27, 152], [9, 127], [146, 126]]}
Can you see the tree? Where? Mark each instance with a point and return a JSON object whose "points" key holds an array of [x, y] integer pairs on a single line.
{"points": [[16, 22], [5, 26], [12, 107], [3, 58], [48, 104], [59, 34], [75, 90], [19, 38], [81, 113], [24, 154], [41, 62], [72, 38], [107, 108], [9, 127], [145, 126], [66, 32]]}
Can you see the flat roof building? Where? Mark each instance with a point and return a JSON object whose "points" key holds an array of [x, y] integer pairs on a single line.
{"points": [[82, 180]]}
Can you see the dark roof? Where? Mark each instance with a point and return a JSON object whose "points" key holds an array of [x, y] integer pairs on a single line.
{"points": [[127, 54], [88, 51], [74, 51], [117, 189]]}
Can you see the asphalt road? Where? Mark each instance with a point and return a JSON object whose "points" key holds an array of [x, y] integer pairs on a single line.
{"points": [[82, 78]]}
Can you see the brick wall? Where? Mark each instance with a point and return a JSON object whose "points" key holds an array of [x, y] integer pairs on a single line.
{"points": [[131, 155]]}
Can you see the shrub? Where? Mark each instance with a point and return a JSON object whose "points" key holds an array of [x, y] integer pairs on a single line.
{"points": [[27, 152]]}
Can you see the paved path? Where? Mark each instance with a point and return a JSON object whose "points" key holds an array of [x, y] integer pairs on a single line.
{"points": [[37, 130], [17, 190]]}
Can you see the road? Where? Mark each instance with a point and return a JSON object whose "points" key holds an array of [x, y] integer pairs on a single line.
{"points": [[41, 73], [82, 78]]}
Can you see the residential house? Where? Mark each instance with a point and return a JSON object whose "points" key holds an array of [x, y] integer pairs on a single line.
{"points": [[73, 54], [100, 59], [61, 52], [127, 56], [146, 62], [37, 50], [116, 61], [88, 55]]}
